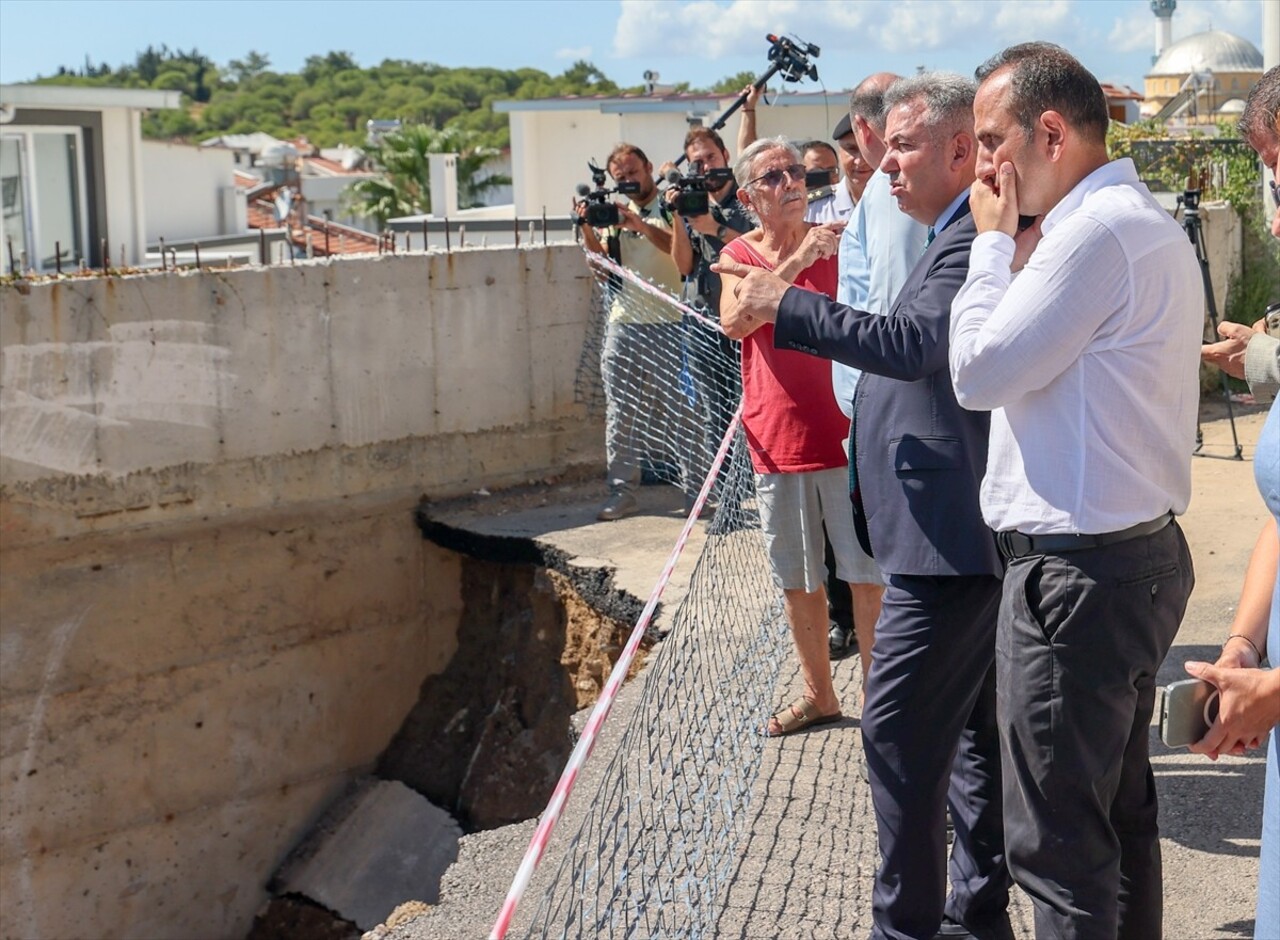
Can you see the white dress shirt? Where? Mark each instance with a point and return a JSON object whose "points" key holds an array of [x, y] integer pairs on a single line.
{"points": [[879, 247], [1088, 360]]}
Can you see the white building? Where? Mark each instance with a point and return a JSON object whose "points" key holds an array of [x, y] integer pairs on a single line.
{"points": [[71, 173], [553, 138], [190, 193], [320, 176]]}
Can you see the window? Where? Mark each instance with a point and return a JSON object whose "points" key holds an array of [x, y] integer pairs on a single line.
{"points": [[42, 174]]}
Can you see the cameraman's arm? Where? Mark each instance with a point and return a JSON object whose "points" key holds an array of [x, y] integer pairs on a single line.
{"points": [[747, 129], [681, 247], [659, 235], [589, 236]]}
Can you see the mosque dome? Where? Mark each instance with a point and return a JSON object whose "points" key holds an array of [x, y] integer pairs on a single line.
{"points": [[1211, 51]]}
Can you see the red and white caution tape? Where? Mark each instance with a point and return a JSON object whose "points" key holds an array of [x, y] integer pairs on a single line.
{"points": [[551, 815]]}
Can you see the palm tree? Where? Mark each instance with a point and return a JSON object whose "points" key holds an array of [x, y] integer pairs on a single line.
{"points": [[404, 188]]}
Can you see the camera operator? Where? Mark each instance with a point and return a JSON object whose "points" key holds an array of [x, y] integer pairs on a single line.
{"points": [[696, 241], [640, 215], [641, 352], [696, 245]]}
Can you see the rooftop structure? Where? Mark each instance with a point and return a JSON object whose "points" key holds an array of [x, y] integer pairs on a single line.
{"points": [[1194, 77], [72, 167], [553, 138]]}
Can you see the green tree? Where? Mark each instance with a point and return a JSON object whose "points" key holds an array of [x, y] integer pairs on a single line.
{"points": [[732, 84], [331, 98], [584, 77], [248, 68], [405, 185], [318, 66]]}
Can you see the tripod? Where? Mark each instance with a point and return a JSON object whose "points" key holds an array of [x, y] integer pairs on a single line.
{"points": [[1189, 202]]}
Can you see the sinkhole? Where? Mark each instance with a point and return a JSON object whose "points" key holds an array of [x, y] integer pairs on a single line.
{"points": [[489, 735]]}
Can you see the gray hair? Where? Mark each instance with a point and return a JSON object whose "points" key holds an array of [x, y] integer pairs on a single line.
{"points": [[948, 99], [744, 166], [867, 100], [1261, 118]]}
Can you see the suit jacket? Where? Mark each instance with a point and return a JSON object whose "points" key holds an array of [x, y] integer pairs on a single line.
{"points": [[920, 457]]}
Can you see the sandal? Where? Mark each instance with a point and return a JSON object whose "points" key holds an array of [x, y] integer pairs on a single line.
{"points": [[797, 716]]}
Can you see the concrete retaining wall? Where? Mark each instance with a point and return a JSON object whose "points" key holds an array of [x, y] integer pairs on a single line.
{"points": [[217, 607]]}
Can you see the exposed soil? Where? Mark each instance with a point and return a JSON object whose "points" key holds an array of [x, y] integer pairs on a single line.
{"points": [[291, 917], [489, 736]]}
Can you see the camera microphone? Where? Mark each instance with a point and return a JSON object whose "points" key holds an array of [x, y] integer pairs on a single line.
{"points": [[583, 189], [673, 176]]}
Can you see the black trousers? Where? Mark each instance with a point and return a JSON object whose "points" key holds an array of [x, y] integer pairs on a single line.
{"points": [[1081, 637], [929, 729]]}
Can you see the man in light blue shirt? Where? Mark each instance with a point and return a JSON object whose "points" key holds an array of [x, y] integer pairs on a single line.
{"points": [[878, 249], [881, 243]]}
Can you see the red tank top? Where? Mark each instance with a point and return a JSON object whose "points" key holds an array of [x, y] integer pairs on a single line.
{"points": [[789, 412]]}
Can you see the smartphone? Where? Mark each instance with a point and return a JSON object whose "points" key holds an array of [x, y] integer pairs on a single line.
{"points": [[1187, 709]]}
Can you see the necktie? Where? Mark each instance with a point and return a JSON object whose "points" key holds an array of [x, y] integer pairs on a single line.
{"points": [[930, 237]]}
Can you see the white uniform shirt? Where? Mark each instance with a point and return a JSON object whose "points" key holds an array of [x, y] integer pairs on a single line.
{"points": [[1088, 360], [831, 207]]}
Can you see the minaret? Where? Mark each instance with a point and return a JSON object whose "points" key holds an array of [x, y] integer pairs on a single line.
{"points": [[1163, 9]]}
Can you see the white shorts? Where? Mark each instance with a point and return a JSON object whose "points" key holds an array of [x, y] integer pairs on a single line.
{"points": [[794, 509]]}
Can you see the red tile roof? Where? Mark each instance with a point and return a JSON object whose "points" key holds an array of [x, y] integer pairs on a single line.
{"points": [[1120, 92], [333, 167], [342, 240]]}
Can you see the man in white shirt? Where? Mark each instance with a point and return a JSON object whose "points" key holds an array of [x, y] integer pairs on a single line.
{"points": [[1088, 361]]}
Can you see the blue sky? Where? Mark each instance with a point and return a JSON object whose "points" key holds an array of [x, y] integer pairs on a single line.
{"points": [[697, 41]]}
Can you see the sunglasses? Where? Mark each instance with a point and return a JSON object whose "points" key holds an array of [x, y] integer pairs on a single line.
{"points": [[774, 177]]}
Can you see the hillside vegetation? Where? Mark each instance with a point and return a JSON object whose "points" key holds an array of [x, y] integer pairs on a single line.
{"points": [[330, 100]]}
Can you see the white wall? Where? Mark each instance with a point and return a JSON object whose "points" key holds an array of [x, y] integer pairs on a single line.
{"points": [[209, 553], [325, 194], [550, 149], [122, 172], [182, 191]]}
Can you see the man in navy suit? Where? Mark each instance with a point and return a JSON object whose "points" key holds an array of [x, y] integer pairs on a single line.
{"points": [[929, 720]]}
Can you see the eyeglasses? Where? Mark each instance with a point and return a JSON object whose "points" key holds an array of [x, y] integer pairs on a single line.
{"points": [[774, 177]]}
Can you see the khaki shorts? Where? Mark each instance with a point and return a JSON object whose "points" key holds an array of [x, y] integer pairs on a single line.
{"points": [[794, 509]]}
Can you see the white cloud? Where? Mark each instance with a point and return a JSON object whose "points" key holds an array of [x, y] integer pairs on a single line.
{"points": [[703, 28], [1133, 31], [714, 30], [574, 52], [1136, 29], [1022, 22]]}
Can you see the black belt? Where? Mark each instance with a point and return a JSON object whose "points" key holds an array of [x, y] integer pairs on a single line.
{"points": [[1015, 544]]}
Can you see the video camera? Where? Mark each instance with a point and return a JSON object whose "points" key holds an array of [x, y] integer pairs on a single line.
{"points": [[790, 57], [692, 190], [601, 213]]}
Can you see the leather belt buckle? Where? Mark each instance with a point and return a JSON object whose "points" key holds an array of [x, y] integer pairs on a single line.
{"points": [[1013, 544]]}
